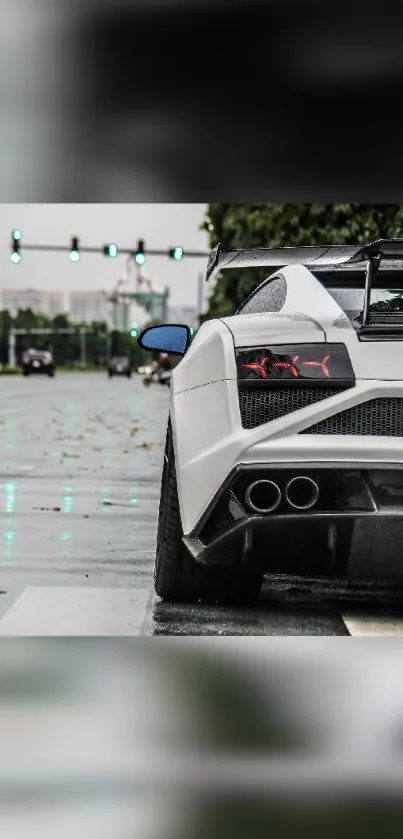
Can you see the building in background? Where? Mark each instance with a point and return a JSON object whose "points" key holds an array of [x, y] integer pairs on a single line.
{"points": [[49, 303], [56, 303], [88, 306], [183, 314]]}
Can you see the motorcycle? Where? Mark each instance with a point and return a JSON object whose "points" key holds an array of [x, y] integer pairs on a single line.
{"points": [[155, 377]]}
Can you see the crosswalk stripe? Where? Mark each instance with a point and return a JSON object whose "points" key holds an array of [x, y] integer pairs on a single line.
{"points": [[369, 625], [76, 611]]}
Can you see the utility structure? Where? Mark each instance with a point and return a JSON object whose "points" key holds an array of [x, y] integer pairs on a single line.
{"points": [[138, 288], [13, 332]]}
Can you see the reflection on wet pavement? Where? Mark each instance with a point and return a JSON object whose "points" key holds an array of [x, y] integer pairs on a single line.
{"points": [[79, 480]]}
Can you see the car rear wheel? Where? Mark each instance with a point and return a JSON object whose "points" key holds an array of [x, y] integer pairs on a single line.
{"points": [[177, 577]]}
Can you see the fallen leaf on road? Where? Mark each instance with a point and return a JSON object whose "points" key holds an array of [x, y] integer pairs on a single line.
{"points": [[144, 446], [115, 504], [48, 509]]}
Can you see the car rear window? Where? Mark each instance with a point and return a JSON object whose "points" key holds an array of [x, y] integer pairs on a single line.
{"points": [[348, 290]]}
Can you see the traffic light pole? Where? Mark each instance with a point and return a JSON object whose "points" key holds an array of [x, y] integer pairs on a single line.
{"points": [[11, 348], [83, 346], [101, 250]]}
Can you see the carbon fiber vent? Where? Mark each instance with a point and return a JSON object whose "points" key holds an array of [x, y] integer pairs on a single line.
{"points": [[375, 418], [220, 521], [262, 404]]}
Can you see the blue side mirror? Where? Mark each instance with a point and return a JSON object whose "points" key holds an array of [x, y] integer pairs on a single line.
{"points": [[169, 338]]}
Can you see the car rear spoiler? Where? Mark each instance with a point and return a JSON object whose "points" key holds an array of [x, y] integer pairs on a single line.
{"points": [[370, 255]]}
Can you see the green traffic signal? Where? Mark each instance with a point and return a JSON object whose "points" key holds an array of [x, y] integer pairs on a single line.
{"points": [[111, 250], [177, 253], [74, 250], [15, 253], [134, 330], [140, 256]]}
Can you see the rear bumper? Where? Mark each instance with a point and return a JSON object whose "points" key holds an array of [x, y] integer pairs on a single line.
{"points": [[210, 439], [49, 368], [354, 530]]}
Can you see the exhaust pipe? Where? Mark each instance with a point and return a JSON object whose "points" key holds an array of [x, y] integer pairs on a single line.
{"points": [[302, 493], [263, 496]]}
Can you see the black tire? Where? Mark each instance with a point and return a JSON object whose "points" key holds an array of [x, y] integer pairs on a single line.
{"points": [[25, 372], [146, 382], [177, 577], [110, 375], [51, 374], [129, 375]]}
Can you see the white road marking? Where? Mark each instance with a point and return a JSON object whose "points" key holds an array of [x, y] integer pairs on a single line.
{"points": [[370, 626], [76, 611]]}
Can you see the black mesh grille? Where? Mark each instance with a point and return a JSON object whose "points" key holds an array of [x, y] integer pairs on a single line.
{"points": [[219, 522], [262, 404], [376, 418]]}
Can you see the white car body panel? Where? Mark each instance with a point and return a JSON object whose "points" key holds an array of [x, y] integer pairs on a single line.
{"points": [[209, 359], [209, 439]]}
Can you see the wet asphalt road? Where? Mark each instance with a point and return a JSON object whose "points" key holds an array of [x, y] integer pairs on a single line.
{"points": [[80, 469]]}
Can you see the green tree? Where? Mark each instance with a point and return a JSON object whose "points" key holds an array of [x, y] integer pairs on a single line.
{"points": [[6, 322], [280, 225]]}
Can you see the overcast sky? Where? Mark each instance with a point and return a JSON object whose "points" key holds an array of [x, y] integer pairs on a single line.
{"points": [[160, 225]]}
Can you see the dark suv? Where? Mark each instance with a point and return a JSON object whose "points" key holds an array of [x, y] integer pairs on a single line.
{"points": [[38, 361], [119, 366]]}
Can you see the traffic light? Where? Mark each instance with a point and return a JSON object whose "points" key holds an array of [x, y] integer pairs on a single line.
{"points": [[74, 250], [134, 330], [177, 253], [140, 256], [15, 248], [111, 250]]}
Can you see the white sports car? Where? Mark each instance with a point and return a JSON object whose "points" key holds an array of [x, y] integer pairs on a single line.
{"points": [[284, 449]]}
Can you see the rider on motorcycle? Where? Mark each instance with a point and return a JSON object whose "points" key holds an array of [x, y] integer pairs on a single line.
{"points": [[163, 364]]}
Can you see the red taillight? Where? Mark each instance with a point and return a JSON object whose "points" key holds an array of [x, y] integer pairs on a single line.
{"points": [[309, 362]]}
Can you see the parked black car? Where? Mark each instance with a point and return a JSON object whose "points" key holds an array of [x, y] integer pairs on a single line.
{"points": [[119, 366], [38, 361]]}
